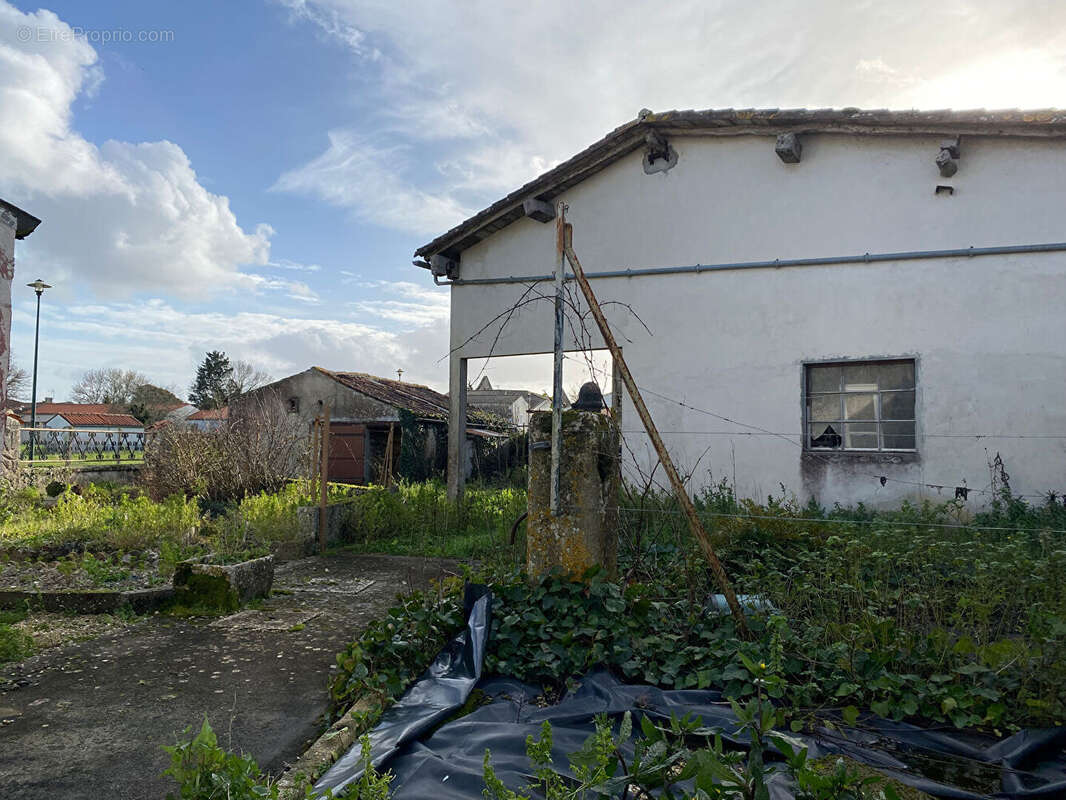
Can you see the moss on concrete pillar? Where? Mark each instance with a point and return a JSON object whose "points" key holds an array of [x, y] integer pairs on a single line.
{"points": [[585, 533]]}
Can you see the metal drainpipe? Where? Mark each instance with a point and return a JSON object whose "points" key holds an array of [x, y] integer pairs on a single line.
{"points": [[781, 263]]}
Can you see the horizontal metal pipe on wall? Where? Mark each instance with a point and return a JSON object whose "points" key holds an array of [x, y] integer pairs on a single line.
{"points": [[865, 258]]}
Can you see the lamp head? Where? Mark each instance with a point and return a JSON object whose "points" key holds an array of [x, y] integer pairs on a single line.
{"points": [[39, 286]]}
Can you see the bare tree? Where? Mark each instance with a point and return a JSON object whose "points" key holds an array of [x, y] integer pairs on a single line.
{"points": [[259, 448], [246, 377], [112, 385], [18, 383]]}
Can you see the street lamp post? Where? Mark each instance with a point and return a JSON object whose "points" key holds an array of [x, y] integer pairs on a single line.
{"points": [[38, 286]]}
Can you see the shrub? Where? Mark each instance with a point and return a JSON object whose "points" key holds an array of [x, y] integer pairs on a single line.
{"points": [[257, 450], [14, 644]]}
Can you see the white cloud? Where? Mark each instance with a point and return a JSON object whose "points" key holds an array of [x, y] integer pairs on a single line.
{"points": [[166, 342], [121, 217], [296, 266], [294, 290], [493, 93], [419, 306], [376, 182]]}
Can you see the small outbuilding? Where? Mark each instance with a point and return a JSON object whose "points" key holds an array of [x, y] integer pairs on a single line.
{"points": [[363, 409]]}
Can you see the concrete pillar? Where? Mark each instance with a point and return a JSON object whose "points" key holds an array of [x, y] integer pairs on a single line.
{"points": [[586, 531], [8, 230], [10, 454], [456, 427]]}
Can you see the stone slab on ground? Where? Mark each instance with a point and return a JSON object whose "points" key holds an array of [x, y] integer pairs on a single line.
{"points": [[88, 719]]}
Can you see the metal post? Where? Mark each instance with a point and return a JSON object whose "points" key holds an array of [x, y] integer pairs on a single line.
{"points": [[557, 373], [33, 391], [653, 433], [456, 427], [323, 510]]}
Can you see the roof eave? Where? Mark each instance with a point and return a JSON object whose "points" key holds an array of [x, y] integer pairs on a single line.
{"points": [[25, 223], [1042, 123]]}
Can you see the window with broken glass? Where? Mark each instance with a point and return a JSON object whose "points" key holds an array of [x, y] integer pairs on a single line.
{"points": [[861, 405]]}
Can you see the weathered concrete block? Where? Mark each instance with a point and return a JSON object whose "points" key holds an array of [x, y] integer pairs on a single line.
{"points": [[538, 210], [340, 525], [224, 586], [585, 533]]}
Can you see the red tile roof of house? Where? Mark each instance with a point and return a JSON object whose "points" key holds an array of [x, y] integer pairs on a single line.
{"points": [[82, 420], [210, 413]]}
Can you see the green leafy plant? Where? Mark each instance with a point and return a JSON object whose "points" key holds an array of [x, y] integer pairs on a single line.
{"points": [[14, 644], [204, 771]]}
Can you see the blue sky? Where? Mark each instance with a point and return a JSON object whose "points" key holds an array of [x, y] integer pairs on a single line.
{"points": [[258, 180]]}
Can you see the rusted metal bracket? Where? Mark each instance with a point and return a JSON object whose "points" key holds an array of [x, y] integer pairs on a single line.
{"points": [[649, 425]]}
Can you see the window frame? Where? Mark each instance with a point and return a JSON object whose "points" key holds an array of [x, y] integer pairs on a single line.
{"points": [[878, 420]]}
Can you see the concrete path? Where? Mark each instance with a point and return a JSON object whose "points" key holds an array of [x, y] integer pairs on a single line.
{"points": [[87, 720]]}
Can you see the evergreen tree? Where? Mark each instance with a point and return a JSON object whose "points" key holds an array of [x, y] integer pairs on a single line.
{"points": [[214, 381], [151, 403]]}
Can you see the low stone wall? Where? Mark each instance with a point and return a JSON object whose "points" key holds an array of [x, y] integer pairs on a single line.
{"points": [[96, 472], [87, 602]]}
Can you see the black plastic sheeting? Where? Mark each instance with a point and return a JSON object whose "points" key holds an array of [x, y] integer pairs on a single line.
{"points": [[435, 696], [446, 763]]}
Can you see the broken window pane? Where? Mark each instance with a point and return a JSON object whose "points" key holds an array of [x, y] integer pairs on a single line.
{"points": [[860, 406], [824, 434], [860, 436], [897, 405], [824, 378], [826, 406]]}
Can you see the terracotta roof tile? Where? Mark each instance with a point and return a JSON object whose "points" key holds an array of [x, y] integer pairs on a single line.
{"points": [[82, 420], [210, 413]]}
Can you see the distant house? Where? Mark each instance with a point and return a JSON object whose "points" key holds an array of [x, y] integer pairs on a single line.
{"points": [[363, 408], [100, 430], [208, 419], [48, 409], [514, 405]]}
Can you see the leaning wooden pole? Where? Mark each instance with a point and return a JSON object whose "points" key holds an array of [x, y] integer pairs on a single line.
{"points": [[649, 425]]}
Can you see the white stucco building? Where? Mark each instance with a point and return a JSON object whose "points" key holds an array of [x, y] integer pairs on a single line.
{"points": [[811, 293]]}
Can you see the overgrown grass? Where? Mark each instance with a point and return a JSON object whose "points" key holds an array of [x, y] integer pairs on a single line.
{"points": [[118, 521], [115, 520], [418, 519], [14, 644]]}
